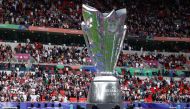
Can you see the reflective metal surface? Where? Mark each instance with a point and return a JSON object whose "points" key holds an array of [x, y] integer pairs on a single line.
{"points": [[105, 89], [104, 34]]}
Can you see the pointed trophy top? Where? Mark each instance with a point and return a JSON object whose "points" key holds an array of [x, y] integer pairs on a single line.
{"points": [[118, 12]]}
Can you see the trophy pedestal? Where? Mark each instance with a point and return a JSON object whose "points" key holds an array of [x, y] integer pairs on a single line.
{"points": [[104, 93]]}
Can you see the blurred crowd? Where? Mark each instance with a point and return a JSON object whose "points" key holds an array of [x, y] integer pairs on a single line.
{"points": [[48, 13], [155, 89], [43, 85], [130, 60], [5, 52], [46, 84], [153, 60], [55, 54], [168, 18], [75, 55]]}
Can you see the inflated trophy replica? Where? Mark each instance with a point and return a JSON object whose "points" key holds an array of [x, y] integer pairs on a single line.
{"points": [[104, 35]]}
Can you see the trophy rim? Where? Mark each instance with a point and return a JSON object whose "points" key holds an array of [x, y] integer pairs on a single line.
{"points": [[105, 78]]}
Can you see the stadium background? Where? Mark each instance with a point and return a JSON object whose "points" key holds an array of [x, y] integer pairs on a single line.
{"points": [[44, 62]]}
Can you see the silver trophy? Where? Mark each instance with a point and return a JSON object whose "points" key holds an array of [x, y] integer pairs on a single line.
{"points": [[104, 34]]}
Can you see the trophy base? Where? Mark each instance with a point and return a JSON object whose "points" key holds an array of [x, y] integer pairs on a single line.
{"points": [[104, 106], [105, 93]]}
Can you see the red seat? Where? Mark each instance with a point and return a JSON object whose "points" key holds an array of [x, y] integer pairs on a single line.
{"points": [[73, 99], [43, 99], [82, 99]]}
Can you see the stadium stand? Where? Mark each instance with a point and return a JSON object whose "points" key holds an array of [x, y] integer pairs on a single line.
{"points": [[47, 85], [48, 13], [162, 19], [37, 72]]}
